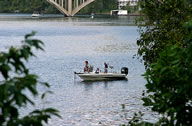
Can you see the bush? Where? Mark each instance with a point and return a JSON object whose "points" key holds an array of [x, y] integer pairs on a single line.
{"points": [[166, 48], [13, 88]]}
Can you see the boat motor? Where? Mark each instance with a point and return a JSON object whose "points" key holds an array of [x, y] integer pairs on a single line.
{"points": [[124, 70]]}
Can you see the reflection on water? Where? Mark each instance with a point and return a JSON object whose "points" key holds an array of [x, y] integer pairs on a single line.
{"points": [[68, 43], [102, 20], [88, 85]]}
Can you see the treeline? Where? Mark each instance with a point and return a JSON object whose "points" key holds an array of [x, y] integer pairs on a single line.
{"points": [[100, 6], [28, 6]]}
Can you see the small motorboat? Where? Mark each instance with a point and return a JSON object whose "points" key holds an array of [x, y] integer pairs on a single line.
{"points": [[98, 76], [35, 14], [92, 15]]}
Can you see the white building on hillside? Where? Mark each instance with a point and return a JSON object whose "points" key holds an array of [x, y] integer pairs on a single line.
{"points": [[123, 3], [121, 7]]}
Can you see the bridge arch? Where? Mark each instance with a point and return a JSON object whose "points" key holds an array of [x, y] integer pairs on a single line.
{"points": [[70, 7]]}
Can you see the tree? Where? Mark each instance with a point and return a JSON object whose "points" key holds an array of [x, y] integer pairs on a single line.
{"points": [[166, 48], [100, 6], [16, 80], [163, 26], [25, 6], [28, 6], [169, 83]]}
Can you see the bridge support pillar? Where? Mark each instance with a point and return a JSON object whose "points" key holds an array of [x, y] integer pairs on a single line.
{"points": [[70, 7], [77, 3]]}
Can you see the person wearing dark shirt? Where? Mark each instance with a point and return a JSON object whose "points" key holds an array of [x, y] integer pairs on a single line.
{"points": [[105, 67]]}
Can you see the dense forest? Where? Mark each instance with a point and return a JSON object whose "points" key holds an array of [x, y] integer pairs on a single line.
{"points": [[100, 6], [23, 6], [28, 6]]}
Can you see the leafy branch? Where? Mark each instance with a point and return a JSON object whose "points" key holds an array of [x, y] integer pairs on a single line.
{"points": [[12, 89]]}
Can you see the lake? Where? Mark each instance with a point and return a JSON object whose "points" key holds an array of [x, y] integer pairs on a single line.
{"points": [[69, 41]]}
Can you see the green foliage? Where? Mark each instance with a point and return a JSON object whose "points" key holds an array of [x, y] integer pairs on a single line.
{"points": [[163, 26], [131, 9], [137, 120], [26, 6], [166, 48], [170, 82], [100, 6], [15, 81]]}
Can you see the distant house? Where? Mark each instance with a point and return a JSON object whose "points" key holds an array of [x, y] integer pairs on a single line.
{"points": [[123, 3], [122, 10]]}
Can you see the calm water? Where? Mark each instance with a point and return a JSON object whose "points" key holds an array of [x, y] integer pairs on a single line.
{"points": [[68, 43]]}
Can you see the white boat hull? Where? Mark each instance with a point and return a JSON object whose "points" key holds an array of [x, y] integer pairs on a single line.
{"points": [[101, 76], [35, 15]]}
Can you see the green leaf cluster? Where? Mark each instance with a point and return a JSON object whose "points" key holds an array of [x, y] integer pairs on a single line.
{"points": [[26, 6], [16, 80], [163, 26], [169, 84], [166, 48]]}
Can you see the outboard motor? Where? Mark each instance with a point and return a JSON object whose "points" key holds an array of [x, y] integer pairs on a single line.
{"points": [[124, 70]]}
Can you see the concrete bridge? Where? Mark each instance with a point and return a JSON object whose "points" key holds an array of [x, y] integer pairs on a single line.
{"points": [[70, 7]]}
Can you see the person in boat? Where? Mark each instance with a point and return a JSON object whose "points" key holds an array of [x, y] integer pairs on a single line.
{"points": [[86, 68], [97, 71], [105, 67]]}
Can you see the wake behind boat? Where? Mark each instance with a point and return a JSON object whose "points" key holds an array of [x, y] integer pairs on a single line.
{"points": [[97, 76]]}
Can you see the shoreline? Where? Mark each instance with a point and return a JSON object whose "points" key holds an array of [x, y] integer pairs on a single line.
{"points": [[81, 14]]}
